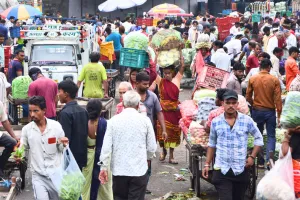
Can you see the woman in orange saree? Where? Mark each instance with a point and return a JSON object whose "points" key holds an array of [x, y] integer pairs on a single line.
{"points": [[169, 89]]}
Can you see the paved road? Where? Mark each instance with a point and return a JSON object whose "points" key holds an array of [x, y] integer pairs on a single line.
{"points": [[162, 180]]}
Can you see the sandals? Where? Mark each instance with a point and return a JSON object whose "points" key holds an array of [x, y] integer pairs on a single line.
{"points": [[163, 156], [173, 162]]}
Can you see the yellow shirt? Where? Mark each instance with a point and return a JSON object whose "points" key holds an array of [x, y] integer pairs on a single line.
{"points": [[93, 74]]}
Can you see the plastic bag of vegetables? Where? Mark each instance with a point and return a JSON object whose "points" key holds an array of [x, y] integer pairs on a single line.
{"points": [[136, 40], [68, 178], [290, 117], [279, 182]]}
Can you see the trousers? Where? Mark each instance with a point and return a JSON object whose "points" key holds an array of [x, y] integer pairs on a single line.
{"points": [[43, 188], [9, 143]]}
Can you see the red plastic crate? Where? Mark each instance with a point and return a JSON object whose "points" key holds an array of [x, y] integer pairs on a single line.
{"points": [[147, 22], [212, 78]]}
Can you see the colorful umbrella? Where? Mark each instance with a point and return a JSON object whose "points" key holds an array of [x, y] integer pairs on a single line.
{"points": [[168, 9], [21, 12], [112, 5]]}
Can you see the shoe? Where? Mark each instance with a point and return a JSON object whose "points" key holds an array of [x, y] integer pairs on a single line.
{"points": [[148, 191]]}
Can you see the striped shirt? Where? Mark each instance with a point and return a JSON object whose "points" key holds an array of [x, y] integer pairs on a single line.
{"points": [[231, 144]]}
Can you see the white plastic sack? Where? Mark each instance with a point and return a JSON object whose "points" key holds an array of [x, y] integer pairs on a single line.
{"points": [[68, 178], [279, 182]]}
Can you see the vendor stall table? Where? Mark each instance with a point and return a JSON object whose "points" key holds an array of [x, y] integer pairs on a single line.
{"points": [[196, 159]]}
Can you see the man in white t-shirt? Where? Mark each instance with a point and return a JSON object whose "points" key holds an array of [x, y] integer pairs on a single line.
{"points": [[234, 46], [235, 29], [220, 58], [9, 142]]}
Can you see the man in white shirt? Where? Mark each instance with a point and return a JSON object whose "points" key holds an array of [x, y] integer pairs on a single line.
{"points": [[129, 137], [234, 46], [5, 140], [235, 29], [275, 58], [45, 140], [193, 33], [221, 59], [291, 41], [273, 42], [127, 25]]}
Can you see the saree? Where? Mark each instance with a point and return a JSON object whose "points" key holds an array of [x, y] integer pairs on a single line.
{"points": [[169, 95], [93, 190]]}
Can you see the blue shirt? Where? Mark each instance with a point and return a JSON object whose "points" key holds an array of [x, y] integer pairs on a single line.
{"points": [[14, 67], [4, 31], [231, 144], [247, 50], [116, 38]]}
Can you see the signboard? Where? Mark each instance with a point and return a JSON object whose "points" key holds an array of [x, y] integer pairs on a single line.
{"points": [[51, 34], [212, 78]]}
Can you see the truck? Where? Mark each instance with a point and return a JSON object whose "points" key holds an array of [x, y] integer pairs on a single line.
{"points": [[60, 51]]}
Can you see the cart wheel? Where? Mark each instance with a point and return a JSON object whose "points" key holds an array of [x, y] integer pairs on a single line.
{"points": [[251, 189], [23, 168]]}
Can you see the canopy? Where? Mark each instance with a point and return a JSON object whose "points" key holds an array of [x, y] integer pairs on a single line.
{"points": [[112, 5], [168, 9], [21, 12]]}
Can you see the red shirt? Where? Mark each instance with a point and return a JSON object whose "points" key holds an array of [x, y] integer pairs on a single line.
{"points": [[252, 62], [48, 89]]}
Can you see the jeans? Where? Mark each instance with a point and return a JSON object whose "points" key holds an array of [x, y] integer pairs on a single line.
{"points": [[268, 118], [9, 143], [230, 186]]}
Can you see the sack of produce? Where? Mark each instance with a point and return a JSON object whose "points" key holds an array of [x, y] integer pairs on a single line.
{"points": [[136, 40], [202, 93], [197, 134], [290, 117], [278, 183], [188, 109], [167, 39], [68, 178], [188, 55], [205, 105], [167, 58], [20, 86]]}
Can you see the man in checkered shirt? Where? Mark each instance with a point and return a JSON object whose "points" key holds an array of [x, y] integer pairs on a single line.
{"points": [[295, 85], [229, 138]]}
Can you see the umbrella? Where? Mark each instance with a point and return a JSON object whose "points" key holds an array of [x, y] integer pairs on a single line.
{"points": [[112, 5], [168, 9], [21, 12]]}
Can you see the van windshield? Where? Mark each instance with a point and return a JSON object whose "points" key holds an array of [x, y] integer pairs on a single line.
{"points": [[53, 55]]}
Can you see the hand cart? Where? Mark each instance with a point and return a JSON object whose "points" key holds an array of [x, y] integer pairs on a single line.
{"points": [[15, 109], [196, 158], [12, 165], [112, 75]]}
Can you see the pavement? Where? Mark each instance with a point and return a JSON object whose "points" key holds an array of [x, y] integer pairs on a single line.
{"points": [[162, 179]]}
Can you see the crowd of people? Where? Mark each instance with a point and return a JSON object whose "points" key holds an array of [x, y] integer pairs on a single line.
{"points": [[260, 57]]}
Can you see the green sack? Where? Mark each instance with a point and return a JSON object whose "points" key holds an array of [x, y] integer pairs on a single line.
{"points": [[20, 87], [188, 55]]}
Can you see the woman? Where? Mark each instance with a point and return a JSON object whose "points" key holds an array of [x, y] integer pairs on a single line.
{"points": [[132, 77], [201, 58], [122, 33], [292, 141], [169, 88], [277, 18], [187, 42], [93, 190]]}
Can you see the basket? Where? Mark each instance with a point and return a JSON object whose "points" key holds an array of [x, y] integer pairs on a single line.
{"points": [[111, 73], [147, 22], [212, 78], [134, 58]]}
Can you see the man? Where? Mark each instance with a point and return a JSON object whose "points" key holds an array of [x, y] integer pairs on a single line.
{"points": [[291, 41], [252, 61], [94, 75], [267, 99], [291, 67], [221, 59], [45, 87], [3, 29], [44, 138], [123, 88], [234, 46], [235, 78], [247, 49], [235, 29], [6, 141], [177, 24], [274, 42], [206, 30], [127, 24], [16, 68], [128, 139], [118, 44], [275, 58], [74, 121], [230, 175], [193, 33], [295, 85], [144, 30], [267, 32]]}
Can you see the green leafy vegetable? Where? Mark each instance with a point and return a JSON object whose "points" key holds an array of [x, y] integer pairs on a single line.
{"points": [[19, 153], [290, 117], [71, 186], [136, 40]]}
